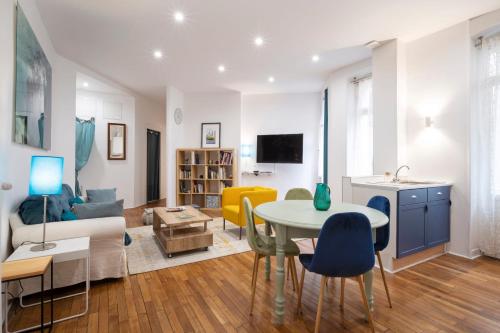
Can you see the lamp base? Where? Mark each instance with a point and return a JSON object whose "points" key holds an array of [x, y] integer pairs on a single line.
{"points": [[43, 247]]}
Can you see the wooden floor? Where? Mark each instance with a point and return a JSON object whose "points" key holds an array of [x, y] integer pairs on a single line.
{"points": [[447, 294]]}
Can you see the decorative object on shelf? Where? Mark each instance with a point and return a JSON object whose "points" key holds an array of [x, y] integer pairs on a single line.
{"points": [[33, 100], [213, 201], [45, 179], [178, 116], [117, 141], [210, 135], [322, 199]]}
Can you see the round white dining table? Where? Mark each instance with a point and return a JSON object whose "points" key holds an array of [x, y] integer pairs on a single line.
{"points": [[299, 219]]}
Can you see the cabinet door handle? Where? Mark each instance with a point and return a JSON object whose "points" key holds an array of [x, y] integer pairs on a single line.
{"points": [[439, 193], [414, 196]]}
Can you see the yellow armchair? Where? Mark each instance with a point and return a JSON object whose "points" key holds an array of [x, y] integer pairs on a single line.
{"points": [[232, 203]]}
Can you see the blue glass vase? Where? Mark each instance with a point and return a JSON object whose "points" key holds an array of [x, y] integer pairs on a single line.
{"points": [[322, 199]]}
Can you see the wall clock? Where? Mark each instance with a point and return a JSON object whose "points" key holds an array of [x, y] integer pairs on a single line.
{"points": [[178, 116]]}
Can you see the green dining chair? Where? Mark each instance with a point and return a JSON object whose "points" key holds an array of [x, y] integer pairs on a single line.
{"points": [[264, 246], [300, 194]]}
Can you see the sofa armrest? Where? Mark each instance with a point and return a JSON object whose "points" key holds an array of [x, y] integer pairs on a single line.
{"points": [[106, 228]]}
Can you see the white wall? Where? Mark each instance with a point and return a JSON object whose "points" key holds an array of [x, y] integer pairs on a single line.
{"points": [[99, 172], [15, 159], [340, 101], [438, 86], [148, 115], [174, 137], [282, 114]]}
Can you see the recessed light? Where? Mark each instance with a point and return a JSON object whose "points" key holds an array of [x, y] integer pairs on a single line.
{"points": [[221, 68], [85, 84], [179, 16], [158, 54], [271, 79], [258, 41], [315, 58]]}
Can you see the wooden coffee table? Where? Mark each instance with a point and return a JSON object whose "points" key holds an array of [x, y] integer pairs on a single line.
{"points": [[182, 231]]}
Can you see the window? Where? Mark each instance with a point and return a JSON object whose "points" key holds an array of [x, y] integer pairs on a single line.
{"points": [[360, 130]]}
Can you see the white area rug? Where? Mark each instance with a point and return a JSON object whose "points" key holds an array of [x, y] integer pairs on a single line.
{"points": [[145, 253]]}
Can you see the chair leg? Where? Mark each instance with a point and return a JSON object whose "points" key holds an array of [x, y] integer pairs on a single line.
{"points": [[365, 302], [320, 303], [342, 287], [314, 244], [254, 279], [223, 224], [383, 278], [301, 286], [293, 270], [241, 228]]}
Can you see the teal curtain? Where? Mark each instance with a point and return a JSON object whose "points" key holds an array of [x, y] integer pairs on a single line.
{"points": [[85, 131]]}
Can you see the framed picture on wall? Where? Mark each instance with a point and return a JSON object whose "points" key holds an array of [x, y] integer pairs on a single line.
{"points": [[117, 141], [210, 135]]}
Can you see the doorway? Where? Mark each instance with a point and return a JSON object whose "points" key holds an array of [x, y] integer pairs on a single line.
{"points": [[153, 165]]}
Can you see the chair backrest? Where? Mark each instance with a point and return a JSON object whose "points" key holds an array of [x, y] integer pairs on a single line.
{"points": [[345, 246], [383, 205], [252, 233], [298, 194]]}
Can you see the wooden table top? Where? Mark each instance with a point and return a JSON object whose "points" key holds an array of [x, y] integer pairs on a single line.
{"points": [[187, 216], [20, 269]]}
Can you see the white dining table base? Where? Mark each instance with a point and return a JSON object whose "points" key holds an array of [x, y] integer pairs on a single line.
{"points": [[284, 233]]}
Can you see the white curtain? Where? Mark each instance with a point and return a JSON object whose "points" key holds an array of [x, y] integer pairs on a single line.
{"points": [[360, 131], [485, 146]]}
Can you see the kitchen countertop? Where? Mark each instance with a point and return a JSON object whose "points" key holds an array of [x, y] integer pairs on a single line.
{"points": [[378, 182]]}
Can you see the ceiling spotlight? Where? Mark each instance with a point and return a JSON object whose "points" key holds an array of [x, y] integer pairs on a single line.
{"points": [[258, 41], [179, 17], [315, 58], [85, 84], [158, 54], [271, 79], [221, 68]]}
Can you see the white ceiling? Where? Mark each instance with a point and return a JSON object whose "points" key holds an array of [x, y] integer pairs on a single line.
{"points": [[116, 38]]}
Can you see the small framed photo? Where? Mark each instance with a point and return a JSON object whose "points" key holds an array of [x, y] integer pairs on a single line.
{"points": [[117, 141], [210, 135]]}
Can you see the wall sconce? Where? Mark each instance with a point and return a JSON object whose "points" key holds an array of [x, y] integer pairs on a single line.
{"points": [[246, 151], [429, 122]]}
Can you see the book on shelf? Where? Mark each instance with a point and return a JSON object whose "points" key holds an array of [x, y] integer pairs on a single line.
{"points": [[226, 157], [184, 174], [197, 188]]}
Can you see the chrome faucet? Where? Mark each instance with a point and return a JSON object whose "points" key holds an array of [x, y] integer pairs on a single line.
{"points": [[396, 177]]}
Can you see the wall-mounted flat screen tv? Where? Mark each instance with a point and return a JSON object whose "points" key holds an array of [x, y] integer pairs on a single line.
{"points": [[280, 148]]}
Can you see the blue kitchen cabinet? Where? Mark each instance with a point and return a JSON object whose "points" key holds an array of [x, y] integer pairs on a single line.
{"points": [[423, 219]]}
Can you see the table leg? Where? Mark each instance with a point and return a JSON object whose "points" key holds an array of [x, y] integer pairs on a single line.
{"points": [[279, 309], [268, 259], [368, 277], [41, 304], [51, 295]]}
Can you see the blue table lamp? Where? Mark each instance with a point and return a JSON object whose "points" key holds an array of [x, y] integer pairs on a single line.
{"points": [[45, 179]]}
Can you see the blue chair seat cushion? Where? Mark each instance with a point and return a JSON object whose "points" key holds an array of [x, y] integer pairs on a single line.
{"points": [[305, 259]]}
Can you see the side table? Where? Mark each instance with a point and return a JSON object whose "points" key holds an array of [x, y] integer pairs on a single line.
{"points": [[65, 250], [16, 270]]}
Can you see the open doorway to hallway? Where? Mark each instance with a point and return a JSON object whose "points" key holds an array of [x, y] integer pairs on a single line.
{"points": [[153, 165]]}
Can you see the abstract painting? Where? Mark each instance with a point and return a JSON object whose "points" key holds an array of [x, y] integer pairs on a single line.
{"points": [[33, 88]]}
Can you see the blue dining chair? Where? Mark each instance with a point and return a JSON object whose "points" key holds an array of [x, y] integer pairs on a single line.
{"points": [[383, 205], [344, 249]]}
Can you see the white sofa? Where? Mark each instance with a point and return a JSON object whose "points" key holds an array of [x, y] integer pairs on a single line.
{"points": [[107, 251]]}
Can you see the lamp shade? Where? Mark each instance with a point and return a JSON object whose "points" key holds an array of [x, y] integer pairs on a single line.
{"points": [[46, 175]]}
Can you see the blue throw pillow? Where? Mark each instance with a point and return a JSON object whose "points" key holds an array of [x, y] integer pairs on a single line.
{"points": [[76, 200], [101, 195], [98, 209], [68, 216], [127, 239], [31, 209]]}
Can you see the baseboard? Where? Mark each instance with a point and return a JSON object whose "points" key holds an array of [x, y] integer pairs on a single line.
{"points": [[475, 253], [415, 263]]}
